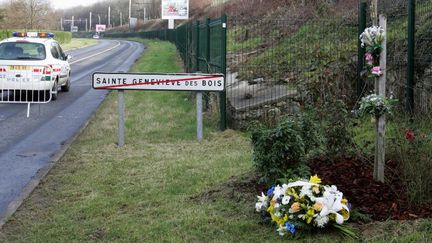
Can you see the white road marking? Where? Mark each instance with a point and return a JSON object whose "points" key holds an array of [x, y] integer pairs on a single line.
{"points": [[96, 54]]}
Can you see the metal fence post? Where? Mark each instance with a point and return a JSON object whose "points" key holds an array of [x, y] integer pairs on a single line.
{"points": [[197, 53], [361, 51], [411, 49], [208, 41], [222, 95], [207, 56]]}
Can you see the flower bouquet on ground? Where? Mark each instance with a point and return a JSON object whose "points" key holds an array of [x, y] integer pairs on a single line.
{"points": [[302, 206]]}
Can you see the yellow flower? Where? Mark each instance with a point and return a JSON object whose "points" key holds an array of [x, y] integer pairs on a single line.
{"points": [[309, 215], [315, 179], [317, 206], [344, 201], [292, 192], [271, 209], [345, 214], [295, 207], [279, 220]]}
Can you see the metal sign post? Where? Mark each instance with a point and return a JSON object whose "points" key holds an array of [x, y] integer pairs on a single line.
{"points": [[121, 122], [199, 107]]}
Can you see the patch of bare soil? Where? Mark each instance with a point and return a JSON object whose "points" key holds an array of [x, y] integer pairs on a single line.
{"points": [[382, 201]]}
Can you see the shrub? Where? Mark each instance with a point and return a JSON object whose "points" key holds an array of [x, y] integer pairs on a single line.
{"points": [[338, 129], [280, 152]]}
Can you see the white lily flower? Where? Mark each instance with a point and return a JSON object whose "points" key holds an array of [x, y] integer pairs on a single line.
{"points": [[301, 183], [332, 203]]}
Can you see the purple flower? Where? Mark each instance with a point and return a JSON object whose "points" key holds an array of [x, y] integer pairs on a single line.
{"points": [[369, 58], [376, 71]]}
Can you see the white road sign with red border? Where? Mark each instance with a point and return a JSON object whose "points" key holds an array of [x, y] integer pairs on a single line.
{"points": [[154, 81]]}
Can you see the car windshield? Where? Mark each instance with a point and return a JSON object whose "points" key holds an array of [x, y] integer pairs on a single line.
{"points": [[22, 51]]}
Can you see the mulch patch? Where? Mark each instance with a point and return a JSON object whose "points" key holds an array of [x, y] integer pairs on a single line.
{"points": [[381, 201]]}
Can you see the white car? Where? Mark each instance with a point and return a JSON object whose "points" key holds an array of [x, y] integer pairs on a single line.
{"points": [[33, 62]]}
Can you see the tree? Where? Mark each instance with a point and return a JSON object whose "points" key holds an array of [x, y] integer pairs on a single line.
{"points": [[29, 14]]}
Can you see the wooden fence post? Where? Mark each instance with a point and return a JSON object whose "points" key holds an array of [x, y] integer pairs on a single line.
{"points": [[380, 89]]}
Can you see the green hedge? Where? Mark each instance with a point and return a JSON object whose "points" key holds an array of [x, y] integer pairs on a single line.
{"points": [[5, 34], [61, 37]]}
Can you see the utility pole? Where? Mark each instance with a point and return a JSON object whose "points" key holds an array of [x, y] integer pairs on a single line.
{"points": [[72, 23], [61, 24], [99, 18], [144, 14], [86, 25], [109, 16], [121, 18], [130, 9], [90, 26]]}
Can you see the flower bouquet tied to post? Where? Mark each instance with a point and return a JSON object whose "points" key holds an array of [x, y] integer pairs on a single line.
{"points": [[303, 205], [372, 39], [376, 105]]}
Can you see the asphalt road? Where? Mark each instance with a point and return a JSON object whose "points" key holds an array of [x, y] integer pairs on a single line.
{"points": [[29, 146]]}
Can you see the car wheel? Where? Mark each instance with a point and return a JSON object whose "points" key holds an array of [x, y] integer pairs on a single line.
{"points": [[54, 91], [66, 87]]}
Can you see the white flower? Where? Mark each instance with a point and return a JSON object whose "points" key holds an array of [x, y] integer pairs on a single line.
{"points": [[262, 203], [286, 200], [306, 191], [278, 214], [372, 36], [301, 183], [282, 230], [278, 191], [332, 203], [259, 207], [321, 221]]}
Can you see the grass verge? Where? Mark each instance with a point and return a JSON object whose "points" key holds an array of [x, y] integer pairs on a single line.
{"points": [[77, 43], [162, 186]]}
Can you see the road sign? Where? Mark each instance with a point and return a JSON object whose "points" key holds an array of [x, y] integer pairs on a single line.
{"points": [[154, 81], [100, 28], [175, 9]]}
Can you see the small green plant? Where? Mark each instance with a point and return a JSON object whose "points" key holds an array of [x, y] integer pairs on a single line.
{"points": [[280, 152], [413, 145]]}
